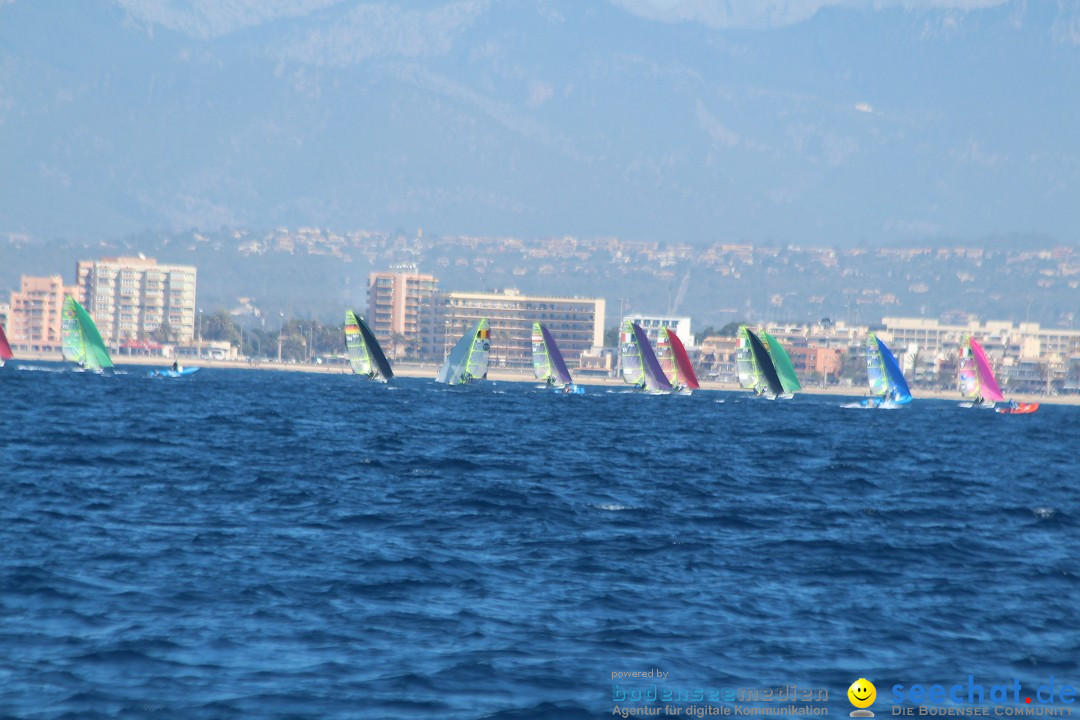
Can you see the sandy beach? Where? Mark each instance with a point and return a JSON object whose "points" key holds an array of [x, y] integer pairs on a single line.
{"points": [[423, 370]]}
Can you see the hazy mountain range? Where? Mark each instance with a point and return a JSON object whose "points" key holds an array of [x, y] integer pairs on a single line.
{"points": [[827, 122]]}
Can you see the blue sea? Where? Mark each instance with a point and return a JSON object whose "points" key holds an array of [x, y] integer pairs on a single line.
{"points": [[257, 544]]}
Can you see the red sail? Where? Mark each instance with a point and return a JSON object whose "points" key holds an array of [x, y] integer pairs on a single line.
{"points": [[686, 370], [5, 349]]}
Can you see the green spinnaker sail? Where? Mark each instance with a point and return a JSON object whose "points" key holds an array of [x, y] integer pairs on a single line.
{"points": [[782, 362], [82, 342]]}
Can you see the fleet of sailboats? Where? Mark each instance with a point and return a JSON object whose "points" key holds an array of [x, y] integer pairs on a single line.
{"points": [[762, 363]]}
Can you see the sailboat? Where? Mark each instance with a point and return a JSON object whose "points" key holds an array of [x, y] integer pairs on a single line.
{"points": [[548, 363], [977, 381], [675, 363], [5, 348], [884, 376], [365, 354], [468, 360], [755, 366], [82, 342], [639, 365], [756, 370], [782, 362]]}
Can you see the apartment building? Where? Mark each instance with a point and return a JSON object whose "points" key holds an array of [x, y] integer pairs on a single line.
{"points": [[651, 324], [34, 317], [132, 298], [400, 310], [577, 324]]}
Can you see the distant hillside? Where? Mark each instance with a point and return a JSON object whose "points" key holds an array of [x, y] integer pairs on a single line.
{"points": [[312, 273]]}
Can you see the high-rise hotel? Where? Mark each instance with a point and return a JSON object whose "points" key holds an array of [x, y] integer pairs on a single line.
{"points": [[132, 298], [577, 324], [400, 307]]}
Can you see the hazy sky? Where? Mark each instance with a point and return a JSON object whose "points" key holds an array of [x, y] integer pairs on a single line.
{"points": [[802, 121]]}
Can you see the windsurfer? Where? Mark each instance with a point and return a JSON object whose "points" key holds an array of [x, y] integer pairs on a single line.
{"points": [[977, 401]]}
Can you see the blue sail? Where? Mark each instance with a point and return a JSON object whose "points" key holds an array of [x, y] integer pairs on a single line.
{"points": [[898, 392]]}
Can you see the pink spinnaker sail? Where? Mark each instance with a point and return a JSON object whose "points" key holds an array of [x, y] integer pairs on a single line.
{"points": [[686, 370], [5, 349], [990, 388]]}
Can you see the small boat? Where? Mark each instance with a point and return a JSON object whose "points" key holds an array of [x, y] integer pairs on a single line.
{"points": [[82, 342], [174, 372], [755, 366], [5, 348], [639, 365], [975, 377], [884, 376], [548, 363], [365, 354], [468, 361], [1015, 408], [671, 354]]}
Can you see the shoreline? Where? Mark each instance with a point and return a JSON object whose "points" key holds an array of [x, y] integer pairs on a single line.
{"points": [[422, 370]]}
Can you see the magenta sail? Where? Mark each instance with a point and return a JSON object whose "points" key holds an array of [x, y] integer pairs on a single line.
{"points": [[990, 388], [682, 361], [5, 349]]}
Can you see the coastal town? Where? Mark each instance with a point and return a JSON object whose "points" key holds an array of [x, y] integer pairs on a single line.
{"points": [[420, 294]]}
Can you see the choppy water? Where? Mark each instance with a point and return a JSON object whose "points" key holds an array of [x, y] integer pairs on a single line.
{"points": [[278, 545]]}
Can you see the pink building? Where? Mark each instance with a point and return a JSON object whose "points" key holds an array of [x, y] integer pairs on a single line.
{"points": [[34, 320]]}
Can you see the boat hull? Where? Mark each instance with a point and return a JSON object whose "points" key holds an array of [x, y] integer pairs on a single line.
{"points": [[174, 373], [1020, 409]]}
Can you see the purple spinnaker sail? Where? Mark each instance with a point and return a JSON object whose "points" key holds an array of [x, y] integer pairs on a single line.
{"points": [[557, 361], [991, 391], [656, 380]]}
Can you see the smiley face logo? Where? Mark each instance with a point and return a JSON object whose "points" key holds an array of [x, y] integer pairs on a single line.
{"points": [[862, 693]]}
